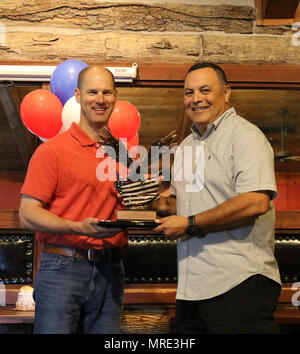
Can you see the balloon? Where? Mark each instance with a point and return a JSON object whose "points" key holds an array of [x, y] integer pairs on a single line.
{"points": [[124, 121], [132, 145], [134, 141], [65, 77], [40, 111], [70, 113]]}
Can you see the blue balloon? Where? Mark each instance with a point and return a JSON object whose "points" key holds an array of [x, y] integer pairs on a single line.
{"points": [[64, 79]]}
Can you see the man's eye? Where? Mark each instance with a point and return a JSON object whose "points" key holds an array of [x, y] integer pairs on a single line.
{"points": [[188, 93], [205, 91]]}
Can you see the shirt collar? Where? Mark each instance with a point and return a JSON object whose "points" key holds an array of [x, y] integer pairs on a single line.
{"points": [[212, 126], [80, 135]]}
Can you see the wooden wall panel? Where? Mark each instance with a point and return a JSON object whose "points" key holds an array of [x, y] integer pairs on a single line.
{"points": [[161, 110]]}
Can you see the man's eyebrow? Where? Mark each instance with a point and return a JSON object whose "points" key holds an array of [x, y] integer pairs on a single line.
{"points": [[201, 87]]}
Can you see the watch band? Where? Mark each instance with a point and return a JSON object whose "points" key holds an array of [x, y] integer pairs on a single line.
{"points": [[192, 228], [192, 221]]}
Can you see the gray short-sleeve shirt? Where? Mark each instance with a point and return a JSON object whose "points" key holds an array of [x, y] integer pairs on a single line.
{"points": [[231, 157]]}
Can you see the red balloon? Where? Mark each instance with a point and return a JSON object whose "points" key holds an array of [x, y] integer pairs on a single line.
{"points": [[124, 121], [41, 113], [132, 143]]}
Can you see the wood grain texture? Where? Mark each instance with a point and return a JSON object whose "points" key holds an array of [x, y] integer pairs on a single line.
{"points": [[56, 30]]}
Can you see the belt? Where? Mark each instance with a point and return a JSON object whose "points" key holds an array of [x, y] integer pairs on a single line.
{"points": [[112, 255]]}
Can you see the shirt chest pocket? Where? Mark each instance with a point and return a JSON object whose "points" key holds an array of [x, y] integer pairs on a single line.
{"points": [[219, 174]]}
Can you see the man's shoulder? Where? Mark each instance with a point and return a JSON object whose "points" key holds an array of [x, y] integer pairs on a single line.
{"points": [[239, 125], [53, 147], [239, 121], [59, 140], [239, 131]]}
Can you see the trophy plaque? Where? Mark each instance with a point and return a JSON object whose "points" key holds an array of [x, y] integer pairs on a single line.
{"points": [[138, 194]]}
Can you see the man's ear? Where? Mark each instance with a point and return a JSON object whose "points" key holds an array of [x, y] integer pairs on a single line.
{"points": [[227, 93], [77, 94]]}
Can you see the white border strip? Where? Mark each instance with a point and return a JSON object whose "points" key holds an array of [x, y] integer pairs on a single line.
{"points": [[44, 73]]}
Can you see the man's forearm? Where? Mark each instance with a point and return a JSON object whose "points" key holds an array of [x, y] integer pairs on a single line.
{"points": [[33, 216], [236, 212], [39, 219]]}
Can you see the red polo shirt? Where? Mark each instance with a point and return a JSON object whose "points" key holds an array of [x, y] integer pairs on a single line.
{"points": [[62, 173]]}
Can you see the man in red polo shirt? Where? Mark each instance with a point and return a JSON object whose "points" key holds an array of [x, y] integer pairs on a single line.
{"points": [[80, 275]]}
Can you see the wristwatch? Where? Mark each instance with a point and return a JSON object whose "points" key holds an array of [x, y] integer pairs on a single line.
{"points": [[192, 228]]}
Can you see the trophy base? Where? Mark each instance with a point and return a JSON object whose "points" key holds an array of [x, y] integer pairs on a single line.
{"points": [[136, 214], [132, 219], [128, 224]]}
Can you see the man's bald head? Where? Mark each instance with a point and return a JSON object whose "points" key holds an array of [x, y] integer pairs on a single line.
{"points": [[95, 68]]}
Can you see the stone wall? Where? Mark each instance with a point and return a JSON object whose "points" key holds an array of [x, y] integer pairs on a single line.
{"points": [[143, 31]]}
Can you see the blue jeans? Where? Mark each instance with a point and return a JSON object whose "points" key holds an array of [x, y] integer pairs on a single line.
{"points": [[72, 293]]}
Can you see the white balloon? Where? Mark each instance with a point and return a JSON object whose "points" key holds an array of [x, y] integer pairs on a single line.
{"points": [[70, 114]]}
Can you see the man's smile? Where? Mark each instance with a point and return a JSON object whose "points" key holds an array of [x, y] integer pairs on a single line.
{"points": [[200, 108], [101, 109]]}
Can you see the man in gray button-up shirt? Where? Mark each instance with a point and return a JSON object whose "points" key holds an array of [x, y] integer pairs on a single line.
{"points": [[223, 183]]}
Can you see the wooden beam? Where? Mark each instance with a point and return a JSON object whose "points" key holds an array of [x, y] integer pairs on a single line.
{"points": [[277, 13], [7, 99], [9, 219], [280, 9], [287, 292], [287, 220], [150, 293], [12, 176], [262, 73], [260, 11], [148, 296], [172, 74], [278, 21], [297, 13]]}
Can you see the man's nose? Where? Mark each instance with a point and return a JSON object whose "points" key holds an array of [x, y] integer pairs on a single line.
{"points": [[100, 98], [197, 97]]}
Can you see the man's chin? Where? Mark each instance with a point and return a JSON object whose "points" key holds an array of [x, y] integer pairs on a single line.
{"points": [[99, 118], [203, 120]]}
